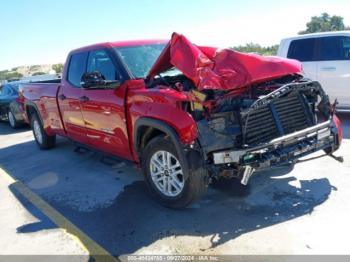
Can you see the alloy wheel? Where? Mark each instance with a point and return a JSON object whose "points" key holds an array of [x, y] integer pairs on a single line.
{"points": [[166, 173]]}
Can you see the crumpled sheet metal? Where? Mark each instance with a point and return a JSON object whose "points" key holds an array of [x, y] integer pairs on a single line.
{"points": [[225, 69]]}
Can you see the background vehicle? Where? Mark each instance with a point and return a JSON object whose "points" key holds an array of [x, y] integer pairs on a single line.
{"points": [[11, 106], [10, 109], [325, 58], [185, 113]]}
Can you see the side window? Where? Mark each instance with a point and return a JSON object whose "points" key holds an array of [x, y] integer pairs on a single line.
{"points": [[76, 68], [334, 48], [99, 60], [302, 50]]}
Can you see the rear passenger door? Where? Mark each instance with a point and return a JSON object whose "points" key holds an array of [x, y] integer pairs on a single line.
{"points": [[333, 67], [69, 96], [304, 50]]}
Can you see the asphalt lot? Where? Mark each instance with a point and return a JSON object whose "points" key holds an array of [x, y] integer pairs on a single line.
{"points": [[302, 209]]}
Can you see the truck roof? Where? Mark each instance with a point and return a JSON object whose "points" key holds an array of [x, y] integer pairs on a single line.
{"points": [[121, 44]]}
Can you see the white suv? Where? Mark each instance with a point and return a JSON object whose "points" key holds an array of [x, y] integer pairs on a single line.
{"points": [[325, 58]]}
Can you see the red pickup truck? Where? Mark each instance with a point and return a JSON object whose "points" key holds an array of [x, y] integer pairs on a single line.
{"points": [[186, 114]]}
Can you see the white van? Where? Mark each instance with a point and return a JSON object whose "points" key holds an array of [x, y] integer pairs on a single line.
{"points": [[325, 58]]}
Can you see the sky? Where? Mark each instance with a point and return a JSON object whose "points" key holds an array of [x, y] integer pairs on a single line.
{"points": [[44, 31]]}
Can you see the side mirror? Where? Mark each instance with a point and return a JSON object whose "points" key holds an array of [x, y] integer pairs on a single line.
{"points": [[92, 79], [97, 80]]}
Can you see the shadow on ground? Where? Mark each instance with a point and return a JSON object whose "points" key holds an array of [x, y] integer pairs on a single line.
{"points": [[5, 129], [132, 220], [43, 222], [135, 221]]}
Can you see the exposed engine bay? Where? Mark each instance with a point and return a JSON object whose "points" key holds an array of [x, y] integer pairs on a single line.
{"points": [[238, 121], [232, 126]]}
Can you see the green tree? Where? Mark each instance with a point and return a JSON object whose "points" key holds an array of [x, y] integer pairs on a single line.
{"points": [[324, 23], [34, 67], [38, 73], [3, 74], [6, 75], [58, 68], [256, 48]]}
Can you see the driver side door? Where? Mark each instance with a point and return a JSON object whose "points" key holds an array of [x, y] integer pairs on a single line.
{"points": [[103, 108]]}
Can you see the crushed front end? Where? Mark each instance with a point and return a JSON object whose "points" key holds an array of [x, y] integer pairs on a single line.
{"points": [[252, 112], [245, 134]]}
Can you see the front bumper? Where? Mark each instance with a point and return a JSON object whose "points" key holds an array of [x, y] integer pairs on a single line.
{"points": [[283, 149]]}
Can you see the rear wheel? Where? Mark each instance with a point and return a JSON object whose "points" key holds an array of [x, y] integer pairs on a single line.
{"points": [[167, 178], [12, 119], [43, 140]]}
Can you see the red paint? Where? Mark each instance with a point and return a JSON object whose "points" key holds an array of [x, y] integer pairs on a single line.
{"points": [[71, 113], [339, 128], [211, 68], [107, 120]]}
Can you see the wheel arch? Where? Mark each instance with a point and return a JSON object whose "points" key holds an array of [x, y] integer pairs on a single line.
{"points": [[30, 109], [147, 128]]}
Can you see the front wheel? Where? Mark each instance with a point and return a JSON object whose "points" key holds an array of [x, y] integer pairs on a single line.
{"points": [[167, 178], [43, 140]]}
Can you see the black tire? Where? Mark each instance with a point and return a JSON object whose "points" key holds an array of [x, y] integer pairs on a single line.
{"points": [[12, 120], [195, 182], [46, 141]]}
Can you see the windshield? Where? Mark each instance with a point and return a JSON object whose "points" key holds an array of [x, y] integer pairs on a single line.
{"points": [[140, 59]]}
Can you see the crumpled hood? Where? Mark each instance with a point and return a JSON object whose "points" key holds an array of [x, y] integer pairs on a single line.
{"points": [[212, 68]]}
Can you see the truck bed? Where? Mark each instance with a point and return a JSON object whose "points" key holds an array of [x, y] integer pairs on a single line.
{"points": [[44, 96], [36, 90]]}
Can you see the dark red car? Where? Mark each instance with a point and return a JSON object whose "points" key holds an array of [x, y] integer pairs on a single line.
{"points": [[187, 114]]}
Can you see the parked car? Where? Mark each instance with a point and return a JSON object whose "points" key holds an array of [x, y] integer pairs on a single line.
{"points": [[10, 109], [325, 58], [186, 114]]}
